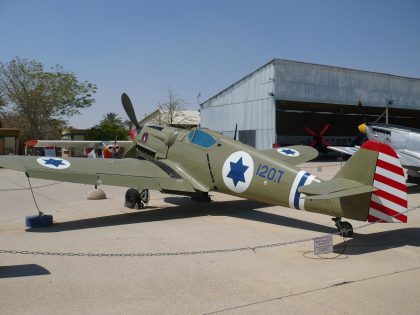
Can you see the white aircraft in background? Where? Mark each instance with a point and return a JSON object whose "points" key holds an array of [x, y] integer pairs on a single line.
{"points": [[404, 140]]}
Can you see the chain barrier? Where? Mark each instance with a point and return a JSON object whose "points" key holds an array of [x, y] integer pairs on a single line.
{"points": [[26, 188], [185, 253]]}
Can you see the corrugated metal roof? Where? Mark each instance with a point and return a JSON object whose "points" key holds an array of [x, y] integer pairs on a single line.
{"points": [[237, 82], [277, 61], [305, 82]]}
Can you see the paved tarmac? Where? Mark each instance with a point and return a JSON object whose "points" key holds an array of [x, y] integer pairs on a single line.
{"points": [[377, 272]]}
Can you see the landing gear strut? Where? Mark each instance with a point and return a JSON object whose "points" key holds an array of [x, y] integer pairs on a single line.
{"points": [[135, 199], [344, 228]]}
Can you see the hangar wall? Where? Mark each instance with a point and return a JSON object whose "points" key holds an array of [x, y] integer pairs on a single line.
{"points": [[305, 82], [250, 103]]}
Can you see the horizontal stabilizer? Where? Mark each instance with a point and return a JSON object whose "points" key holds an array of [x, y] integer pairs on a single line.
{"points": [[335, 188], [293, 155]]}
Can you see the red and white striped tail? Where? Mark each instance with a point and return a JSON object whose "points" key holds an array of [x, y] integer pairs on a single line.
{"points": [[389, 202]]}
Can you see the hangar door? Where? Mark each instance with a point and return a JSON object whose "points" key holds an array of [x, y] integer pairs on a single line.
{"points": [[303, 123]]}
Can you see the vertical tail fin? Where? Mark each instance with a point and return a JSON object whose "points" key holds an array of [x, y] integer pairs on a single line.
{"points": [[376, 164], [389, 202]]}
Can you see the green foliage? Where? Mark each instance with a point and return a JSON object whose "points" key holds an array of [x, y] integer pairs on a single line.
{"points": [[42, 98], [111, 127]]}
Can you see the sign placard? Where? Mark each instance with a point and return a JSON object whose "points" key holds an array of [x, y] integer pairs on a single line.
{"points": [[323, 245]]}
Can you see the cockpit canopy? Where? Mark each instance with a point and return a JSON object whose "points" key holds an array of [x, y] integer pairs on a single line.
{"points": [[201, 138]]}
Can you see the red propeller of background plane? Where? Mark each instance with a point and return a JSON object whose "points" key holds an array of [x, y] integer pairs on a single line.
{"points": [[318, 139]]}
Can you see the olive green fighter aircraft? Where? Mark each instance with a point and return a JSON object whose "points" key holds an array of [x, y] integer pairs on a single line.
{"points": [[370, 186]]}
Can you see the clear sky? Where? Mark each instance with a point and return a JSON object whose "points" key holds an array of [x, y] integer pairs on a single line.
{"points": [[143, 47]]}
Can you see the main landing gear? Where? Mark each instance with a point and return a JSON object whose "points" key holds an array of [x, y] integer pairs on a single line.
{"points": [[135, 199], [344, 228]]}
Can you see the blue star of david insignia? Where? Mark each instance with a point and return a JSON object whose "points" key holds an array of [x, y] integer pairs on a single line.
{"points": [[237, 171], [54, 162], [288, 151]]}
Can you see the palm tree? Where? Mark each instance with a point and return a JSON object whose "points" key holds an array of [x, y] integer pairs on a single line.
{"points": [[113, 119], [128, 124]]}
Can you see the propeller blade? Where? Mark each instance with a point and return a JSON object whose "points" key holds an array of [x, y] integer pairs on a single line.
{"points": [[129, 109], [236, 131], [324, 129], [358, 140], [310, 131], [314, 142], [325, 143]]}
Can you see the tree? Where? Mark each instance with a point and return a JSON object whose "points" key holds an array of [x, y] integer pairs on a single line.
{"points": [[112, 118], [169, 111], [111, 127], [39, 98], [2, 105], [128, 124]]}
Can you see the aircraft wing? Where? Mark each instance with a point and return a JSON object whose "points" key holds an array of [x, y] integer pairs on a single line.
{"points": [[75, 143], [345, 150], [123, 172], [293, 155], [64, 143], [409, 159], [335, 188]]}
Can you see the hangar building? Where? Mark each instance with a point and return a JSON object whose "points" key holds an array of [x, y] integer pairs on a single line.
{"points": [[287, 102]]}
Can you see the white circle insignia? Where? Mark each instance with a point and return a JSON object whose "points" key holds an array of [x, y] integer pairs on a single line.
{"points": [[237, 171], [288, 151], [53, 162]]}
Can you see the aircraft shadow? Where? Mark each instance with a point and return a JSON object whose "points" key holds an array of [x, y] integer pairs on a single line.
{"points": [[28, 270], [186, 208], [248, 210], [374, 242]]}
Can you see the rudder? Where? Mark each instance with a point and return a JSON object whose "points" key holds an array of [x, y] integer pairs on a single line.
{"points": [[389, 201]]}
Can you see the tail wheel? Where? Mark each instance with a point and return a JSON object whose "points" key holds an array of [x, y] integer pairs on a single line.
{"points": [[344, 228]]}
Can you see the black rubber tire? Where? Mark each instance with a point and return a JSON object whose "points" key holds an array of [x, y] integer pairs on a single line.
{"points": [[37, 221], [132, 198], [346, 229]]}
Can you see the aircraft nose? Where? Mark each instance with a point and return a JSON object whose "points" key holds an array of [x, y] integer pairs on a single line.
{"points": [[362, 128]]}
